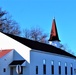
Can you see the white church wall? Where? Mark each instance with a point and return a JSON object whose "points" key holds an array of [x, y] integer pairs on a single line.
{"points": [[26, 70], [7, 42], [4, 63], [37, 58], [7, 59], [17, 56]]}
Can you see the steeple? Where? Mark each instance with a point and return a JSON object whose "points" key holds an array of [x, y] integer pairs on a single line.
{"points": [[54, 33]]}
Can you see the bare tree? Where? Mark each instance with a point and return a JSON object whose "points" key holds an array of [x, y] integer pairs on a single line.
{"points": [[67, 49], [35, 34], [26, 33], [7, 24]]}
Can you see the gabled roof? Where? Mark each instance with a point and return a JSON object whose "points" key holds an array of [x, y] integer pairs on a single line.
{"points": [[4, 52], [40, 46], [54, 34]]}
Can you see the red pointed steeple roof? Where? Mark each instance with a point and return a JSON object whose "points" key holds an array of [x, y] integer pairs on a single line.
{"points": [[54, 33]]}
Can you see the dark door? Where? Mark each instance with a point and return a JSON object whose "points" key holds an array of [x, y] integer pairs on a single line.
{"points": [[11, 71]]}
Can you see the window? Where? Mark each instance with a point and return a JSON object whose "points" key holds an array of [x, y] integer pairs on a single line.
{"points": [[44, 69], [44, 62], [59, 63], [52, 62], [65, 64], [36, 69], [44, 66], [71, 69], [59, 67], [65, 70], [4, 70], [52, 67]]}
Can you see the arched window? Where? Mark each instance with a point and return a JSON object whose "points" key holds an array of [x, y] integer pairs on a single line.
{"points": [[44, 66], [59, 67], [52, 67], [65, 68], [71, 69]]}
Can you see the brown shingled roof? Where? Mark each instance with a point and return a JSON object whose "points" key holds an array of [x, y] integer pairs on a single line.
{"points": [[4, 52]]}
